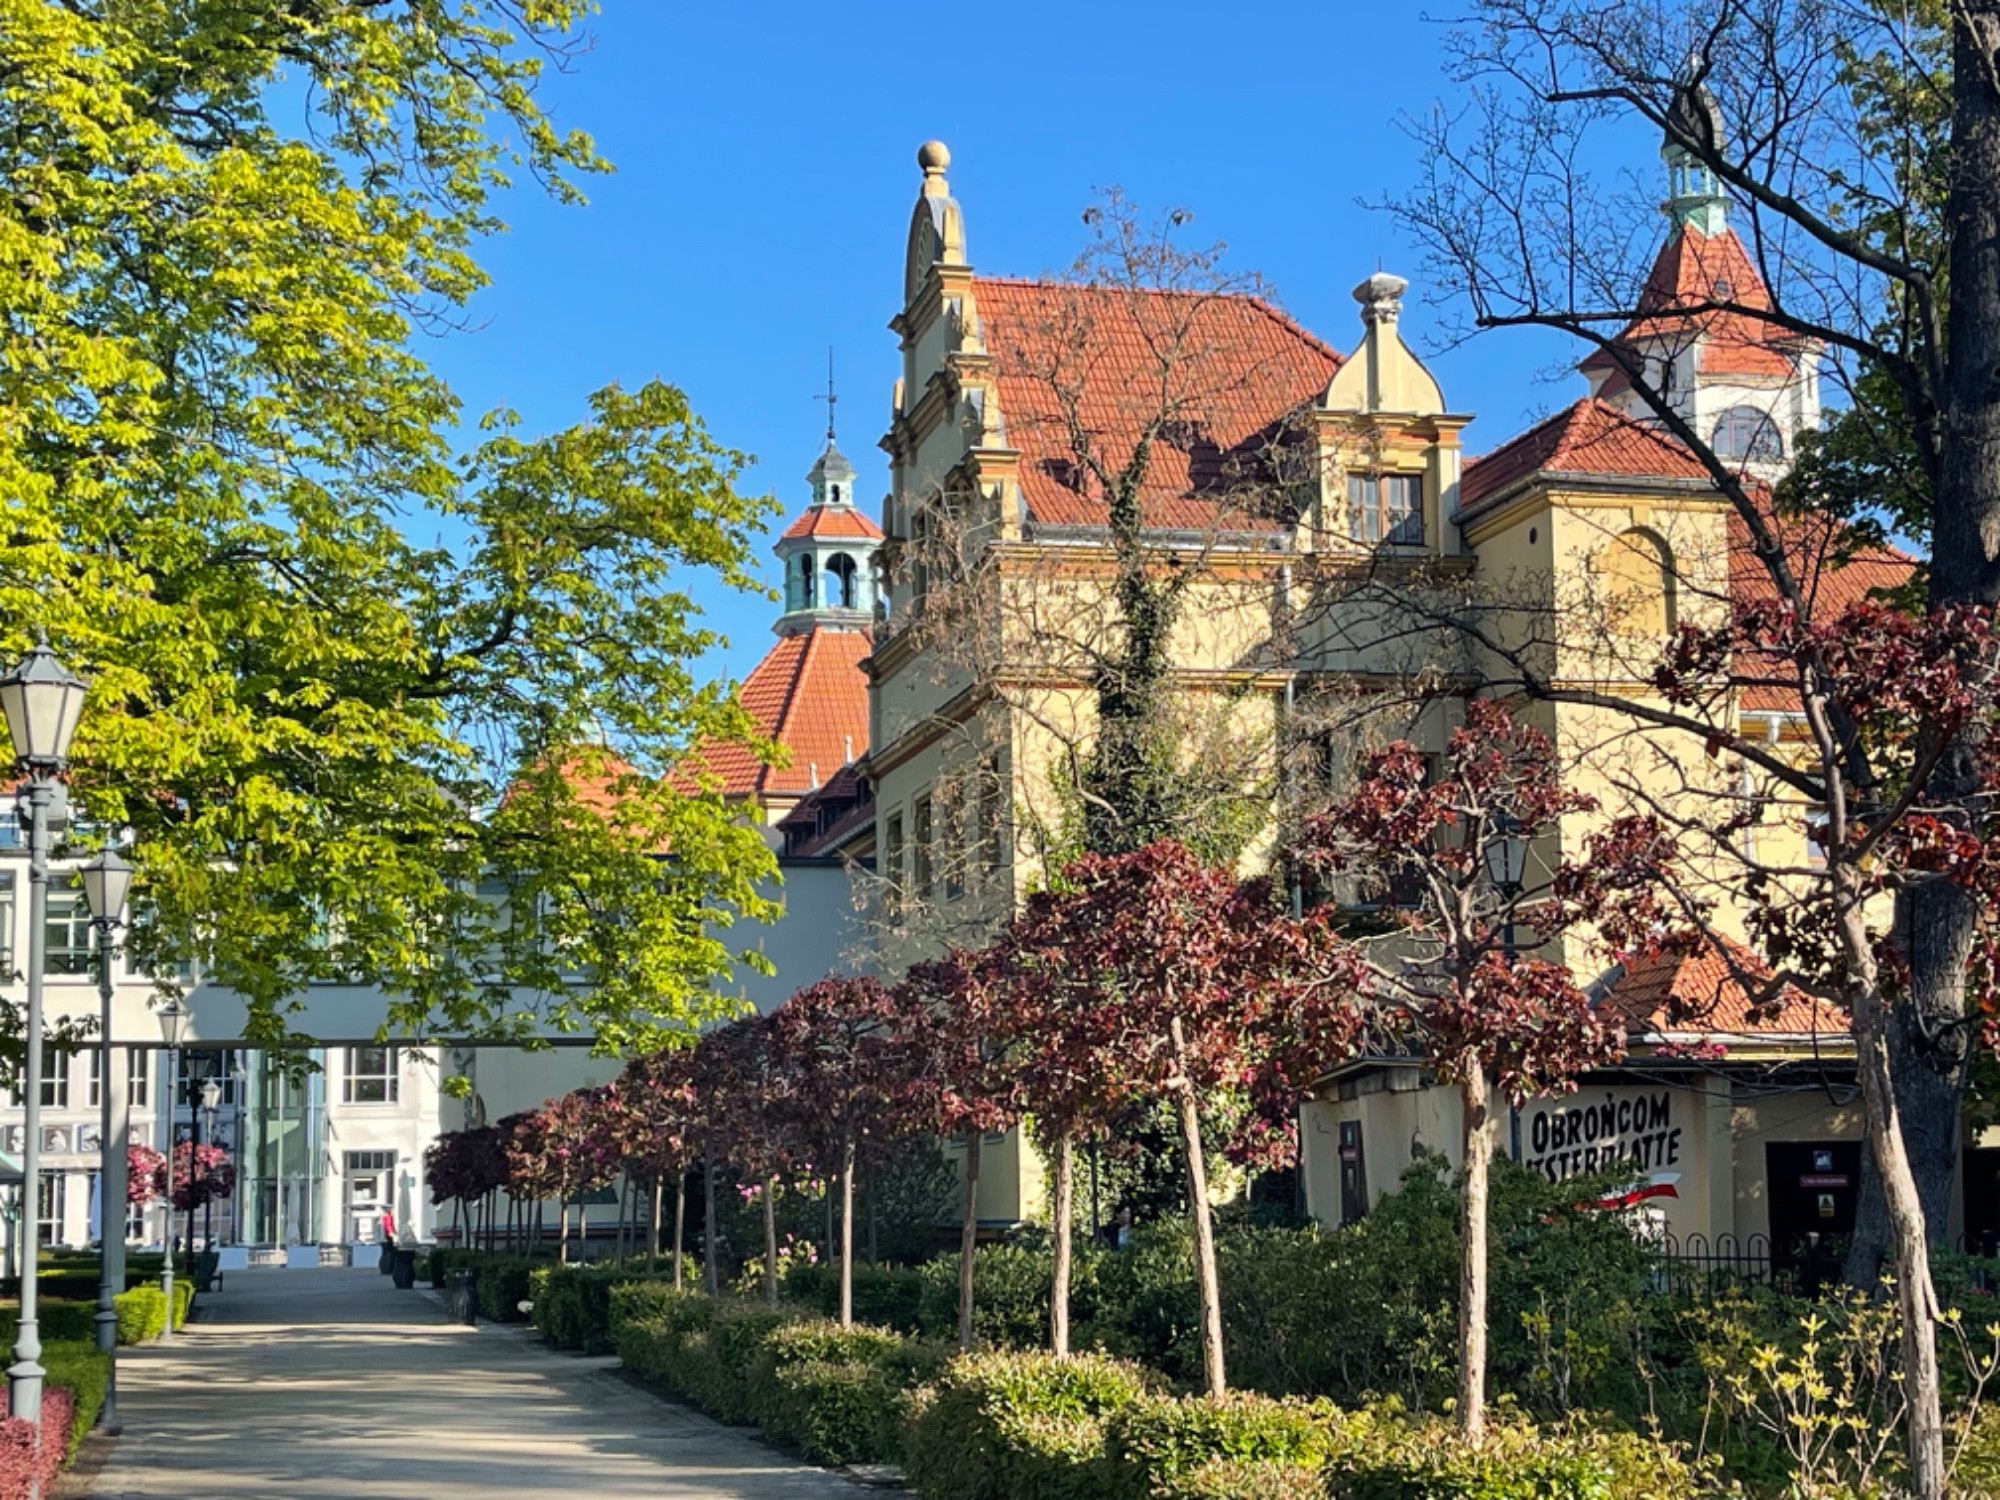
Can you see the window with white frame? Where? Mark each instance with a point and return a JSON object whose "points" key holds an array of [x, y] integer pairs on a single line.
{"points": [[49, 1205], [369, 1076], [68, 933], [94, 1077], [138, 1076], [6, 925]]}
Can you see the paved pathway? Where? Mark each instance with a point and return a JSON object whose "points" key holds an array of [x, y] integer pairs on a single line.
{"points": [[297, 1385]]}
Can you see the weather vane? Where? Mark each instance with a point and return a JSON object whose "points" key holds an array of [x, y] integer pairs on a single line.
{"points": [[829, 398]]}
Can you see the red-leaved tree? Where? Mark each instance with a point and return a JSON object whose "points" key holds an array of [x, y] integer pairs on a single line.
{"points": [[957, 1077], [658, 1125], [844, 1058], [1453, 855], [1149, 976], [738, 1076]]}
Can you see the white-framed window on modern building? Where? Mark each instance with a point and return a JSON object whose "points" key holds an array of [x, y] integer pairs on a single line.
{"points": [[49, 1205], [68, 931], [220, 1064], [94, 1077], [1386, 508], [55, 1081], [368, 1075], [7, 909], [138, 1076]]}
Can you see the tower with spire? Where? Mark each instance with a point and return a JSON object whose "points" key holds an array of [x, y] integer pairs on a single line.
{"points": [[831, 552], [1740, 380]]}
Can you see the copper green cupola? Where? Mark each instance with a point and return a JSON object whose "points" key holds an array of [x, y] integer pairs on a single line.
{"points": [[830, 554]]}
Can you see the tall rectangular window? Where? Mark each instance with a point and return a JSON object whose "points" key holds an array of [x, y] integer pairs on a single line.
{"points": [[49, 1204], [369, 1076], [1386, 508], [221, 1065], [952, 847], [892, 865], [138, 1076], [920, 848], [55, 1079], [95, 1075], [992, 820], [68, 933], [6, 925]]}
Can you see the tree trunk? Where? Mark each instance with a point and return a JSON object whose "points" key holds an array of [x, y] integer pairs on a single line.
{"points": [[1916, 1298], [1924, 1034], [1204, 1228], [680, 1222], [1060, 1213], [712, 1269], [968, 1239], [562, 1239], [1478, 1157], [653, 1230], [770, 1239], [872, 1260], [847, 1233]]}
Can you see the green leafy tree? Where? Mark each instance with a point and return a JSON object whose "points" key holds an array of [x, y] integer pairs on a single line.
{"points": [[223, 229]]}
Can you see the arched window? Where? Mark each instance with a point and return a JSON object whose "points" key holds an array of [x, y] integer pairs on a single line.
{"points": [[1637, 572], [840, 581], [1748, 435], [805, 581]]}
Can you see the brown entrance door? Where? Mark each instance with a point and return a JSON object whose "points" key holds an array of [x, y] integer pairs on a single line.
{"points": [[1813, 1187]]}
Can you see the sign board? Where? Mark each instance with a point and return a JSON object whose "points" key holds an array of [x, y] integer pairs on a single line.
{"points": [[1603, 1130]]}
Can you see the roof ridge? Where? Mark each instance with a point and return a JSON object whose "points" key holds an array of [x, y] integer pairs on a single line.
{"points": [[1261, 302]]}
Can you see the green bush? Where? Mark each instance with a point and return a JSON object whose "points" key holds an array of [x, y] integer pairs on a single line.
{"points": [[85, 1373], [1019, 1427], [504, 1285], [573, 1304], [1159, 1438], [1243, 1479], [888, 1296], [1427, 1460], [838, 1394]]}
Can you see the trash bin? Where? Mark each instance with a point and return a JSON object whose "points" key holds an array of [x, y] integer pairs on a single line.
{"points": [[462, 1297], [405, 1272], [385, 1261]]}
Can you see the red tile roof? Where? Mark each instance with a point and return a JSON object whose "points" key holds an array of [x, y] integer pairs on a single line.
{"points": [[1591, 437], [833, 521], [1229, 369], [1700, 993], [1833, 573], [808, 695], [1694, 271]]}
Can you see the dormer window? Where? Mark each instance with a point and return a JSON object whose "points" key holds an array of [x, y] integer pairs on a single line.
{"points": [[1386, 508]]}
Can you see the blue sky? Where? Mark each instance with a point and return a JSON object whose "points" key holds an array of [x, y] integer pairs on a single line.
{"points": [[766, 168]]}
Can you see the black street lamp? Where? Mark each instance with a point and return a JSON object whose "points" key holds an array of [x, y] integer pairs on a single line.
{"points": [[41, 703], [173, 1018], [107, 883], [201, 1088], [211, 1097], [1507, 867]]}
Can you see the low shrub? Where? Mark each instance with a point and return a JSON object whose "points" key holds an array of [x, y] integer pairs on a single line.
{"points": [[1242, 1479], [26, 1466], [504, 1284], [1162, 1439], [1427, 1460], [84, 1374], [887, 1296], [573, 1304], [1012, 1426], [837, 1394]]}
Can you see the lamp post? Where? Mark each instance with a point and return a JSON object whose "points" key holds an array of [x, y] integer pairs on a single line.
{"points": [[42, 703], [1507, 867], [211, 1097], [107, 881], [173, 1030], [200, 1065]]}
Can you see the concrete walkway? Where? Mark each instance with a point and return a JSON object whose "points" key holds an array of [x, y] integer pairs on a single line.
{"points": [[295, 1385]]}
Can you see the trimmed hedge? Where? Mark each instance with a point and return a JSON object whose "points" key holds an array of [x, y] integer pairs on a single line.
{"points": [[26, 1466], [573, 1303], [142, 1312], [1013, 1426], [83, 1373], [505, 1281], [838, 1396]]}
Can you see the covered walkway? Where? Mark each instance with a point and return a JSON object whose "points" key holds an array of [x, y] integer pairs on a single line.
{"points": [[330, 1383]]}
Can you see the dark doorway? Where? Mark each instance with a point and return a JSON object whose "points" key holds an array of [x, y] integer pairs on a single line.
{"points": [[1982, 1201], [1353, 1173], [1813, 1187]]}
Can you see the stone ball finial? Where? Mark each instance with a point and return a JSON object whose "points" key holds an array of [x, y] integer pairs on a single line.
{"points": [[933, 157]]}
